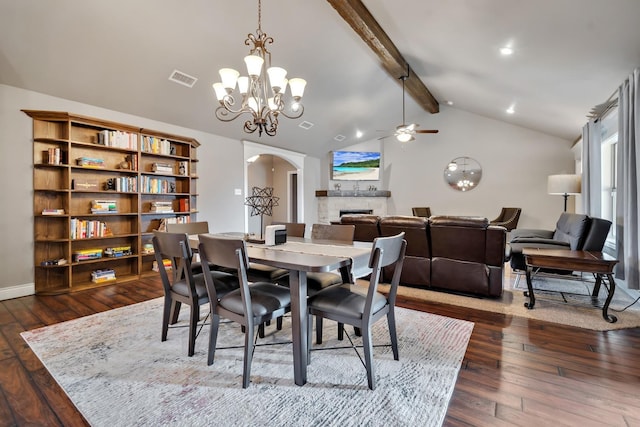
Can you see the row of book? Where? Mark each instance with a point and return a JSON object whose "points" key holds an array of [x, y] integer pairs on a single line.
{"points": [[53, 156], [101, 276], [118, 139], [126, 184], [157, 185], [151, 144], [87, 229], [166, 262]]}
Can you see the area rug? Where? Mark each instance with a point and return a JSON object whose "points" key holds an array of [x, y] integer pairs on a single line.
{"points": [[117, 372], [558, 300]]}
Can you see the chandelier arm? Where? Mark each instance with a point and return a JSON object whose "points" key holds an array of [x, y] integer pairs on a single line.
{"points": [[225, 115]]}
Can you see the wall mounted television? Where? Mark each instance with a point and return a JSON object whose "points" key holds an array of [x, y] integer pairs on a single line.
{"points": [[355, 166]]}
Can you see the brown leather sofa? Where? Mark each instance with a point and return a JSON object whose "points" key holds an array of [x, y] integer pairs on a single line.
{"points": [[458, 254]]}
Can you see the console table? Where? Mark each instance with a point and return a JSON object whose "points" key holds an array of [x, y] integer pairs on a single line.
{"points": [[601, 265]]}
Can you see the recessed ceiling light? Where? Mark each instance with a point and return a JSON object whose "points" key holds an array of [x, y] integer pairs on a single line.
{"points": [[449, 102], [506, 51], [511, 109], [358, 134]]}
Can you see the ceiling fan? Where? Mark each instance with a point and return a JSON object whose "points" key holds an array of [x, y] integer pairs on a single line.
{"points": [[405, 132]]}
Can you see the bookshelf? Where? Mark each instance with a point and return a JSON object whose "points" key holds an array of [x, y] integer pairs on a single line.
{"points": [[100, 189]]}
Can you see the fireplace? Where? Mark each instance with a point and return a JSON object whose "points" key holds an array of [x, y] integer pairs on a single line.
{"points": [[355, 211]]}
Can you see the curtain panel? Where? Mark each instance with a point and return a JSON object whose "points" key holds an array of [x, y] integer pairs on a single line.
{"points": [[628, 182]]}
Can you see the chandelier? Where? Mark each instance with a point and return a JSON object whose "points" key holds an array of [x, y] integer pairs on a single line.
{"points": [[263, 101]]}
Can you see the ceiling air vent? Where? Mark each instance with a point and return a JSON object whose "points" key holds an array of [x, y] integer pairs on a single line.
{"points": [[306, 125], [339, 138], [182, 78]]}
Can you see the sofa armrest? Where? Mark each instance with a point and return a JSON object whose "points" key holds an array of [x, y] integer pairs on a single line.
{"points": [[507, 252], [534, 242]]}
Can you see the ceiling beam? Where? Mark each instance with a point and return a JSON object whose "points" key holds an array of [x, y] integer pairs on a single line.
{"points": [[364, 24]]}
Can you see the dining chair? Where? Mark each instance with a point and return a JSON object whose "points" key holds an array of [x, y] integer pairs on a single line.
{"points": [[338, 232], [362, 306], [191, 228], [250, 305], [294, 229], [184, 286], [421, 211]]}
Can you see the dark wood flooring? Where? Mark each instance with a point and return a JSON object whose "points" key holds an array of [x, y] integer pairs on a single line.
{"points": [[515, 372]]}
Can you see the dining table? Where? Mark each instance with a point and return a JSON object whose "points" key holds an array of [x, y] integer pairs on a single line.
{"points": [[301, 256]]}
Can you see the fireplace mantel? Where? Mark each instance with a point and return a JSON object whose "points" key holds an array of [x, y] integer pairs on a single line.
{"points": [[331, 202], [352, 193]]}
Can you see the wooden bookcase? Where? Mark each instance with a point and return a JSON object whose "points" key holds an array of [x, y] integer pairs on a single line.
{"points": [[147, 176]]}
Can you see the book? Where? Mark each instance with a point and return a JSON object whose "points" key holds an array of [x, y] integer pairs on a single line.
{"points": [[53, 212]]}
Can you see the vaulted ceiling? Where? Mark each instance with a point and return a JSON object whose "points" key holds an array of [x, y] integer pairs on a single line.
{"points": [[569, 55]]}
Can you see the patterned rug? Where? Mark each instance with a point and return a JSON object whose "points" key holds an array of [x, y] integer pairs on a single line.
{"points": [[117, 372]]}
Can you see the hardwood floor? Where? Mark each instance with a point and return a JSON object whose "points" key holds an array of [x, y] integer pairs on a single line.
{"points": [[515, 372]]}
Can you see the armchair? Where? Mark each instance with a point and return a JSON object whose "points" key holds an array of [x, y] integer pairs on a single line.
{"points": [[573, 232], [508, 218]]}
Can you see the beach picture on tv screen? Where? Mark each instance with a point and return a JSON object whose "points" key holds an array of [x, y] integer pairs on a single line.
{"points": [[355, 165]]}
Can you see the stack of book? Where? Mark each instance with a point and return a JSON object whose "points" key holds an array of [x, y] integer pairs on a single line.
{"points": [[101, 276], [87, 254], [119, 139], [104, 206], [151, 144], [164, 168], [90, 162], [87, 229], [118, 251], [184, 205], [166, 262], [53, 212], [161, 207]]}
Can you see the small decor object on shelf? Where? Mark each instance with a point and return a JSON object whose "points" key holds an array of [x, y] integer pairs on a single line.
{"points": [[118, 251], [261, 202], [90, 162]]}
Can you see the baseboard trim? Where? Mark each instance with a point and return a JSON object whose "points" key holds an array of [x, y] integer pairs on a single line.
{"points": [[17, 291]]}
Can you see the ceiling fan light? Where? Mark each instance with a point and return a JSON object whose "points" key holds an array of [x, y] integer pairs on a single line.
{"points": [[404, 137]]}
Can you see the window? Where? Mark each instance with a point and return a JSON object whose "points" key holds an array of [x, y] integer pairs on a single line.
{"points": [[609, 163]]}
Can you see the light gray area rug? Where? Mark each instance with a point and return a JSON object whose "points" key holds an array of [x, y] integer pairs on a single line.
{"points": [[558, 300], [117, 372]]}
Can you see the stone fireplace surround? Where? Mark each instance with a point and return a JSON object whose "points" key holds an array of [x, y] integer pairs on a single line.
{"points": [[331, 202]]}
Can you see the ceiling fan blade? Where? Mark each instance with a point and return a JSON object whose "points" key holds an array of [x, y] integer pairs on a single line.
{"points": [[427, 131]]}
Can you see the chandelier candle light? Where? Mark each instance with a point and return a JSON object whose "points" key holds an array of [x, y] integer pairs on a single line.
{"points": [[263, 101]]}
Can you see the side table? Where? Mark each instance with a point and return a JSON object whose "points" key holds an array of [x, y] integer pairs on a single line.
{"points": [[601, 265]]}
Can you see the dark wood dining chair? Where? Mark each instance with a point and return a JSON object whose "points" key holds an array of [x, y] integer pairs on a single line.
{"points": [[250, 305], [191, 228], [182, 285], [294, 229], [361, 307]]}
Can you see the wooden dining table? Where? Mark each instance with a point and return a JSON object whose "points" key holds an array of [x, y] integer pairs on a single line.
{"points": [[301, 256]]}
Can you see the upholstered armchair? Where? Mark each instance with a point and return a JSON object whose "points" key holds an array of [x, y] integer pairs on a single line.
{"points": [[576, 232], [508, 218]]}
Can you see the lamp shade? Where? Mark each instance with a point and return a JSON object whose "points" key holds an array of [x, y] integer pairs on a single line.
{"points": [[564, 184]]}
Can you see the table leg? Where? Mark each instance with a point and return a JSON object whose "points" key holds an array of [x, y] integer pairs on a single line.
{"points": [[298, 287], [612, 288], [529, 292], [596, 287]]}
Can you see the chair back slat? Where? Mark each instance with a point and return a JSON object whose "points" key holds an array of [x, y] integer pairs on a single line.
{"points": [[198, 227]]}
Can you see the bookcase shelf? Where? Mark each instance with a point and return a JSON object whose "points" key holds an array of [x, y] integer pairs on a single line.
{"points": [[79, 162]]}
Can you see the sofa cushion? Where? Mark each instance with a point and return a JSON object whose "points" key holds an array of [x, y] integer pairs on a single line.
{"points": [[460, 276]]}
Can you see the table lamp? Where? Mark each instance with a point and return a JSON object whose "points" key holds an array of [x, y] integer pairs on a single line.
{"points": [[564, 185]]}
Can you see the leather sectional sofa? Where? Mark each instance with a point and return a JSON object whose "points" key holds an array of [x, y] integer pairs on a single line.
{"points": [[457, 254]]}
